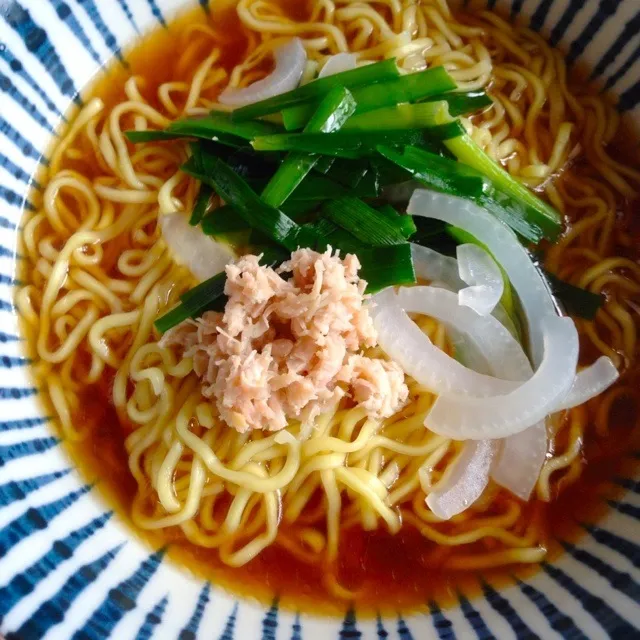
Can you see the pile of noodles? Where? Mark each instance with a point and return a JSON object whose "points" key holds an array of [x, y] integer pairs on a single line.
{"points": [[98, 274]]}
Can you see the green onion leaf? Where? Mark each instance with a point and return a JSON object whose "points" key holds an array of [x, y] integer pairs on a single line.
{"points": [[201, 205], [206, 296], [274, 224], [318, 187], [403, 222], [324, 163], [209, 295], [316, 90], [463, 104], [217, 126], [541, 214], [458, 179], [400, 116], [351, 144], [435, 172], [365, 223], [386, 266], [407, 88], [332, 113], [347, 172], [331, 235], [575, 300], [223, 221], [369, 186]]}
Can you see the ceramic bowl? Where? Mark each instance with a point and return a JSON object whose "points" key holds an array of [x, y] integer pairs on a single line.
{"points": [[68, 567]]}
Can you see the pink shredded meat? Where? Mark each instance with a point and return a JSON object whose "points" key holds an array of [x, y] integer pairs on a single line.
{"points": [[289, 348]]}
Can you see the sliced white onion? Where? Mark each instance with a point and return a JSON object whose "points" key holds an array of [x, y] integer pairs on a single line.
{"points": [[338, 63], [479, 270], [490, 337], [202, 255], [505, 247], [403, 341], [442, 271], [465, 480], [589, 383], [467, 352], [433, 266], [462, 418], [290, 59], [521, 457]]}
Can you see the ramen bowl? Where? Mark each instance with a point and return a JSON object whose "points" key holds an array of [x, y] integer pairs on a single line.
{"points": [[70, 565]]}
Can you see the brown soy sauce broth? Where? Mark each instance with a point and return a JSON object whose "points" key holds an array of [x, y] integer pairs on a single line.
{"points": [[393, 572]]}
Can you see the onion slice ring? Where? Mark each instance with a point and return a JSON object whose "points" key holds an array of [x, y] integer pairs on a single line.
{"points": [[436, 267], [491, 338], [290, 59], [337, 64], [480, 271], [589, 383], [203, 256], [520, 459], [403, 341], [462, 417], [503, 244], [465, 480]]}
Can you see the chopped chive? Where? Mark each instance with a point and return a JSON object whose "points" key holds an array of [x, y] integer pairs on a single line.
{"points": [[351, 144], [223, 221], [274, 224], [527, 208], [457, 179], [206, 296], [331, 235], [386, 266], [347, 172], [201, 205], [368, 186], [324, 163], [407, 88], [215, 126], [463, 104], [539, 212], [364, 222], [435, 172], [575, 300], [318, 188], [403, 222], [330, 115], [400, 116], [316, 90]]}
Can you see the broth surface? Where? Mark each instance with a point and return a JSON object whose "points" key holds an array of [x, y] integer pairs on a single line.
{"points": [[401, 572]]}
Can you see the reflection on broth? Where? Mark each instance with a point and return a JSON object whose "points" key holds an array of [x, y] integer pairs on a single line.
{"points": [[350, 523]]}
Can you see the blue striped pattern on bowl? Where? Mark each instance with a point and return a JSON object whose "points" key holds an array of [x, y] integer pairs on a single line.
{"points": [[70, 569]]}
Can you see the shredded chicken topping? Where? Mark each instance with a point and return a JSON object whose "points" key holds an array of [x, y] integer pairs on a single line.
{"points": [[289, 347]]}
